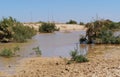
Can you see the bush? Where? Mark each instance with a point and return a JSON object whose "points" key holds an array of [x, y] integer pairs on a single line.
{"points": [[102, 32], [81, 59], [77, 58], [81, 23], [6, 53], [6, 29], [12, 30], [71, 22], [22, 33], [9, 52], [47, 28], [73, 54]]}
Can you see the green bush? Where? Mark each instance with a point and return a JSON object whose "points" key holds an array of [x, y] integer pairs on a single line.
{"points": [[12, 30], [73, 54], [6, 29], [71, 22], [81, 59], [6, 52], [81, 23], [102, 32], [77, 58], [47, 28], [22, 33]]}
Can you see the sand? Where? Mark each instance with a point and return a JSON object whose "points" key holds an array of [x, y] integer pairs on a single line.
{"points": [[101, 64], [63, 27]]}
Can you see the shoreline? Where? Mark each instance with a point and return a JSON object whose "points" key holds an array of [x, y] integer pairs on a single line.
{"points": [[102, 63]]}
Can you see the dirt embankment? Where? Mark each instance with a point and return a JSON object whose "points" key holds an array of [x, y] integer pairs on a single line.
{"points": [[104, 62]]}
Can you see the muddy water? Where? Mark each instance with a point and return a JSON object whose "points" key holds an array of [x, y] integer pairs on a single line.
{"points": [[55, 44], [52, 45]]}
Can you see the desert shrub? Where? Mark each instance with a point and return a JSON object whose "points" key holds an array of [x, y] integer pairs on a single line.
{"points": [[6, 29], [40, 22], [73, 54], [12, 30], [47, 28], [71, 22], [81, 23], [7, 52], [37, 51], [77, 58], [102, 32], [22, 33], [81, 59]]}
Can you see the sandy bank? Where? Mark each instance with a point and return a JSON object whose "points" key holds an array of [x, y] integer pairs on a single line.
{"points": [[63, 27], [102, 64]]}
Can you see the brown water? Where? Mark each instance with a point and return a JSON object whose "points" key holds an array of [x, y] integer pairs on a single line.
{"points": [[53, 44]]}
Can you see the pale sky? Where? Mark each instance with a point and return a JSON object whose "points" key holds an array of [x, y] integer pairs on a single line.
{"points": [[60, 10]]}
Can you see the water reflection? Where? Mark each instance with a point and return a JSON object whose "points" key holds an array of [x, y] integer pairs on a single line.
{"points": [[82, 48]]}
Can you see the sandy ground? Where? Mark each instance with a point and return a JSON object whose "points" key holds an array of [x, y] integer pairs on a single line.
{"points": [[63, 27], [104, 62]]}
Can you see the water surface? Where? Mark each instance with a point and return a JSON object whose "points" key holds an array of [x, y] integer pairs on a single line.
{"points": [[56, 44]]}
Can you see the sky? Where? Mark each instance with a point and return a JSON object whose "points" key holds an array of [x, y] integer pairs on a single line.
{"points": [[60, 10]]}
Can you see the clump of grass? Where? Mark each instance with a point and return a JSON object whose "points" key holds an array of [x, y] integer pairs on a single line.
{"points": [[75, 57], [7, 52], [73, 54], [81, 58], [37, 51]]}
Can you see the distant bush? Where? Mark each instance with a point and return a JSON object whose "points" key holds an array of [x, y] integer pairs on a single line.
{"points": [[47, 28], [81, 23], [40, 22], [71, 22], [12, 30]]}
